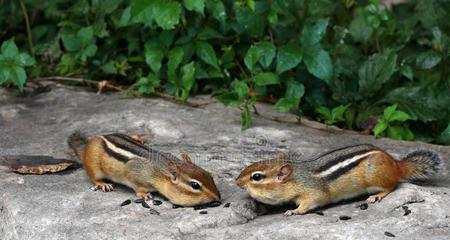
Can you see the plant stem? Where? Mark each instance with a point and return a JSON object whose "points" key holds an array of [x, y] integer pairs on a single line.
{"points": [[27, 23]]}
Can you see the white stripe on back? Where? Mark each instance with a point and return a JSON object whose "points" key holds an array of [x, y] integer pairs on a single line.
{"points": [[118, 150], [345, 163]]}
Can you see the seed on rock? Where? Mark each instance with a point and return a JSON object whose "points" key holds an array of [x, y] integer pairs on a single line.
{"points": [[139, 200], [203, 212], [154, 212], [407, 211], [227, 205], [215, 204], [126, 202], [144, 204], [176, 206], [389, 234], [157, 202], [344, 218], [319, 213], [363, 206]]}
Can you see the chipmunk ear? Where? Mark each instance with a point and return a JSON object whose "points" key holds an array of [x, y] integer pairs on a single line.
{"points": [[173, 170], [186, 157], [285, 172]]}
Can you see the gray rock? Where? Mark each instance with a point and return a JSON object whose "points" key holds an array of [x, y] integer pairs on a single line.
{"points": [[61, 206]]}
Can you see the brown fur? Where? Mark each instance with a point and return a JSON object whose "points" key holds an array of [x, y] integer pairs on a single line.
{"points": [[373, 171], [145, 176]]}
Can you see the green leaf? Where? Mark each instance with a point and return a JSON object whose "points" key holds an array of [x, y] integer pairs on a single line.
{"points": [[379, 128], [428, 59], [25, 59], [217, 9], [338, 112], [266, 78], [209, 33], [318, 63], [241, 88], [230, 99], [288, 57], [246, 118], [388, 111], [166, 13], [325, 112], [187, 78], [407, 72], [206, 53], [267, 53], [419, 104], [175, 58], [313, 32], [153, 56], [252, 57], [360, 30], [71, 42], [195, 5], [285, 104], [85, 35], [395, 132], [19, 77], [294, 93], [9, 49], [444, 137], [376, 71], [399, 116]]}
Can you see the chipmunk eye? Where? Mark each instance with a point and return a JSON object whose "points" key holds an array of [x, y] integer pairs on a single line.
{"points": [[257, 176], [195, 185]]}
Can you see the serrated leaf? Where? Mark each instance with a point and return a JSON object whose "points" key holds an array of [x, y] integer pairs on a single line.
{"points": [[395, 132], [379, 128], [153, 56], [195, 5], [19, 77], [187, 78], [241, 88], [288, 57], [264, 52], [166, 13], [360, 30], [388, 111], [318, 63], [251, 58], [313, 32], [376, 71], [338, 112], [25, 59], [399, 116], [9, 49], [266, 78], [206, 53], [420, 105], [428, 59]]}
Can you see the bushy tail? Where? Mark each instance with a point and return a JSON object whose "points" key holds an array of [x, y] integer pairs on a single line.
{"points": [[76, 142], [420, 165]]}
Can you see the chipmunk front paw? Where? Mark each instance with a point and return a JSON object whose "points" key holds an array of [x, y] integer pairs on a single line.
{"points": [[105, 187], [144, 195], [293, 212]]}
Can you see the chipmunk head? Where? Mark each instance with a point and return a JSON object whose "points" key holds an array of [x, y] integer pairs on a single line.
{"points": [[189, 184], [268, 181]]}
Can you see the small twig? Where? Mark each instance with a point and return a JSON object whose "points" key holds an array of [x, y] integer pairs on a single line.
{"points": [[27, 24], [104, 84]]}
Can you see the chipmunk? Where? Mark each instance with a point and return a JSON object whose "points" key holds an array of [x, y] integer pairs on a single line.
{"points": [[123, 159], [337, 175]]}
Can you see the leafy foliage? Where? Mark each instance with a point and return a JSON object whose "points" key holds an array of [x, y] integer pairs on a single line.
{"points": [[342, 62]]}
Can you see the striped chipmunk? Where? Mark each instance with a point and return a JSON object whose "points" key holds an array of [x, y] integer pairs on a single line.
{"points": [[125, 160], [337, 175]]}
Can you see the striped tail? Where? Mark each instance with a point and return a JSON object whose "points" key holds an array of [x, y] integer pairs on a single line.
{"points": [[76, 142], [420, 165]]}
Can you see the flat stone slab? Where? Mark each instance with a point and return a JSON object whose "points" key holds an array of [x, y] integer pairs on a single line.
{"points": [[61, 206]]}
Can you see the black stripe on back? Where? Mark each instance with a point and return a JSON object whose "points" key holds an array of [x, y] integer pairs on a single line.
{"points": [[113, 154], [344, 155], [128, 144], [341, 171]]}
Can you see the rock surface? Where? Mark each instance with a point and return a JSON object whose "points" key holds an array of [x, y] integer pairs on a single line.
{"points": [[61, 206]]}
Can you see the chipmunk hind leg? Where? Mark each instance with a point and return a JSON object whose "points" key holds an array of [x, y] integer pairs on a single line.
{"points": [[382, 176]]}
